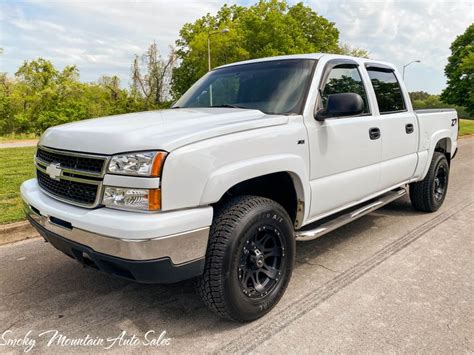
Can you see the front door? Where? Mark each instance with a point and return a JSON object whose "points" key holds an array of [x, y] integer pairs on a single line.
{"points": [[345, 152]]}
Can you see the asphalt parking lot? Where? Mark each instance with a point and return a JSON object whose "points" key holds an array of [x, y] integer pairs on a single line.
{"points": [[394, 281]]}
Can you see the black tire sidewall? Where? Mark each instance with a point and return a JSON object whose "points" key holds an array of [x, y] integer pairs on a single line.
{"points": [[244, 307], [439, 161]]}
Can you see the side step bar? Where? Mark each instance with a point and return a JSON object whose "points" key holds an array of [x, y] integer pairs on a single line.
{"points": [[322, 229]]}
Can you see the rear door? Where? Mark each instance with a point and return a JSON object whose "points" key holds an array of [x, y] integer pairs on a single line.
{"points": [[344, 156], [398, 126]]}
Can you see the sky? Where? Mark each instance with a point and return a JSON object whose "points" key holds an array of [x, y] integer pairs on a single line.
{"points": [[102, 36]]}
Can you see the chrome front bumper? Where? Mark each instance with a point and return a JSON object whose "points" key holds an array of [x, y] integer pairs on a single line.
{"points": [[180, 248]]}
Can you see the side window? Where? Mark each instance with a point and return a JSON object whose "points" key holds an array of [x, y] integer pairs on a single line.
{"points": [[387, 90], [344, 79]]}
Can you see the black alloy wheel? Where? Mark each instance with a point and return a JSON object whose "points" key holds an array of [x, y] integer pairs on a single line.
{"points": [[262, 259], [440, 183], [249, 259], [428, 194]]}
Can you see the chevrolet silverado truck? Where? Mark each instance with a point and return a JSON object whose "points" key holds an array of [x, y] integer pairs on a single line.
{"points": [[253, 157]]}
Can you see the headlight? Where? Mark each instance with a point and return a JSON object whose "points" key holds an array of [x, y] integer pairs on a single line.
{"points": [[136, 199], [137, 164]]}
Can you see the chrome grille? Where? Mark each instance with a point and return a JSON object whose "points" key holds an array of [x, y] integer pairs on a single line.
{"points": [[77, 192], [71, 161], [75, 178]]}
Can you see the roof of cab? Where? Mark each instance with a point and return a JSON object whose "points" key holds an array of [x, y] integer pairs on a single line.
{"points": [[315, 56], [279, 57]]}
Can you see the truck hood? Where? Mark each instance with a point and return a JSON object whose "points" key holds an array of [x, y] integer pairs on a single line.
{"points": [[154, 130]]}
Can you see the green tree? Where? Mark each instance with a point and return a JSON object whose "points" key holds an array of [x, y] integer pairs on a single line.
{"points": [[268, 28], [112, 84], [41, 96], [352, 51], [192, 46], [7, 109], [47, 96], [460, 72], [418, 95], [423, 100]]}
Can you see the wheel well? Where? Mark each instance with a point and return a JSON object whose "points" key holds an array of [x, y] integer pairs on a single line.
{"points": [[444, 146], [278, 187]]}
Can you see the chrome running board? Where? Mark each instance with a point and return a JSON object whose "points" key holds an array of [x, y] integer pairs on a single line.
{"points": [[322, 229]]}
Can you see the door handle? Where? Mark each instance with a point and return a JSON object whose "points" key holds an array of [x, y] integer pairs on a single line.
{"points": [[374, 133], [409, 128]]}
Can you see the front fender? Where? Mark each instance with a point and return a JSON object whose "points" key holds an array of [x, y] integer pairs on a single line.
{"points": [[230, 175], [199, 174]]}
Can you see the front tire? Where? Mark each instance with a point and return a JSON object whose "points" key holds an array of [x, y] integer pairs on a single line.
{"points": [[428, 194], [250, 258]]}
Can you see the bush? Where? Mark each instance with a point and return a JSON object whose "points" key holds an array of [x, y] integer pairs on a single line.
{"points": [[40, 96], [422, 100]]}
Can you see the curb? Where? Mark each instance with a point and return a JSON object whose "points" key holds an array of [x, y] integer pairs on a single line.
{"points": [[14, 232]]}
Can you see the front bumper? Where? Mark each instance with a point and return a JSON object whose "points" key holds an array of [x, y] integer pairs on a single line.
{"points": [[158, 248]]}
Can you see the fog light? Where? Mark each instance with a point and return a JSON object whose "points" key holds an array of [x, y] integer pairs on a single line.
{"points": [[135, 199]]}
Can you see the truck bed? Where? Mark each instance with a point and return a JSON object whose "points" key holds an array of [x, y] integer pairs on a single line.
{"points": [[434, 122], [432, 125], [434, 110]]}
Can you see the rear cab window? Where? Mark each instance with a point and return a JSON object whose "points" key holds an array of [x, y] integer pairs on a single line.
{"points": [[387, 90]]}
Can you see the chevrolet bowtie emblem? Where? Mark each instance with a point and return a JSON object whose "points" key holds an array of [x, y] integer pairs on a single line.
{"points": [[54, 171]]}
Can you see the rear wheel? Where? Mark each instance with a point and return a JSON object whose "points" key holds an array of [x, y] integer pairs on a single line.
{"points": [[428, 195], [249, 260]]}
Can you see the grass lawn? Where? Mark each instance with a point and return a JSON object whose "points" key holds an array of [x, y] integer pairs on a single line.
{"points": [[16, 167], [467, 127]]}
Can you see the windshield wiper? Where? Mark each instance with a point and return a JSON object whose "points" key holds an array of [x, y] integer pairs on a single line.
{"points": [[232, 106]]}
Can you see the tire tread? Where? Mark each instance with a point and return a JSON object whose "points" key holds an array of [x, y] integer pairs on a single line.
{"points": [[227, 216]]}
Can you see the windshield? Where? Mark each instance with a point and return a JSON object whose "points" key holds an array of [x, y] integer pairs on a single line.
{"points": [[273, 87]]}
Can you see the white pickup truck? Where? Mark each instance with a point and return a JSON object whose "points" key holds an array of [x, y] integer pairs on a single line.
{"points": [[255, 156]]}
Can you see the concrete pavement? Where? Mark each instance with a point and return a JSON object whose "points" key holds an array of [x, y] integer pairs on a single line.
{"points": [[394, 281], [19, 143]]}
